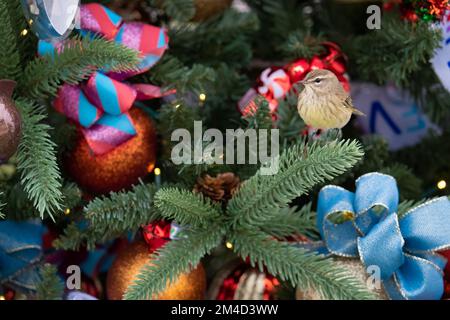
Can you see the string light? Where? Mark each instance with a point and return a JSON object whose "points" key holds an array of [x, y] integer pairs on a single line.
{"points": [[158, 178], [67, 211], [177, 106], [24, 32], [229, 245], [442, 184], [202, 97]]}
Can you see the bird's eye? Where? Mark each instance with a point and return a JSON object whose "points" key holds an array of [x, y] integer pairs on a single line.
{"points": [[318, 80]]}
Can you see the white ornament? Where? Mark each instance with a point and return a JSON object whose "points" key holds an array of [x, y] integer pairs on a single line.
{"points": [[52, 20]]}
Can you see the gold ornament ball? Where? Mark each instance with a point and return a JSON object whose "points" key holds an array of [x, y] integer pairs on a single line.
{"points": [[120, 168], [205, 9], [131, 259], [354, 268]]}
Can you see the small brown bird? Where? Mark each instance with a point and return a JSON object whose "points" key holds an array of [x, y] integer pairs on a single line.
{"points": [[323, 103]]}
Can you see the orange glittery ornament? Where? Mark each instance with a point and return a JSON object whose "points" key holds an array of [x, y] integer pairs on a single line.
{"points": [[119, 168], [131, 259]]}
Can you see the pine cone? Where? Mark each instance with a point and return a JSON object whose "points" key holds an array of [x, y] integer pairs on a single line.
{"points": [[219, 188]]}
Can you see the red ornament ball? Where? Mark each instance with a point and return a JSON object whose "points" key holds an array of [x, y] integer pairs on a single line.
{"points": [[120, 168]]}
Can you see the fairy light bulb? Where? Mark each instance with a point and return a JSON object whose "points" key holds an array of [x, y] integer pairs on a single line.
{"points": [[202, 97], [442, 185], [229, 245]]}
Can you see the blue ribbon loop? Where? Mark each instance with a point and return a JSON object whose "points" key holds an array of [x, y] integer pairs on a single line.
{"points": [[404, 250], [20, 251]]}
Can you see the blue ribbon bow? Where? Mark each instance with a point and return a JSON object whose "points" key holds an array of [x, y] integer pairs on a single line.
{"points": [[20, 252], [404, 249]]}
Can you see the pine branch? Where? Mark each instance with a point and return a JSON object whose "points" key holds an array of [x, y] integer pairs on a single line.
{"points": [[74, 238], [9, 55], [175, 258], [288, 122], [299, 170], [182, 10], [72, 195], [301, 45], [111, 217], [25, 44], [50, 287], [79, 59], [171, 73], [261, 117], [223, 38], [291, 221], [186, 207], [298, 266], [396, 51], [39, 172]]}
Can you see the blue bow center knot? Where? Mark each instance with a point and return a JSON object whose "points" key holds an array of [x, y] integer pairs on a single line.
{"points": [[403, 249]]}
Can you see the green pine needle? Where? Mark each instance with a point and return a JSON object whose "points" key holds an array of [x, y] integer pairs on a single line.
{"points": [[51, 286], [36, 157], [79, 59], [290, 220], [182, 10], [111, 216], [175, 258], [186, 207], [300, 168], [9, 55], [300, 267]]}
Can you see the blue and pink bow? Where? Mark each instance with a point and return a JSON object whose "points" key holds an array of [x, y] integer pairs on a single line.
{"points": [[403, 247], [101, 104]]}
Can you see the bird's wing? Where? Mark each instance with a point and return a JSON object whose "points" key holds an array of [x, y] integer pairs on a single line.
{"points": [[348, 103]]}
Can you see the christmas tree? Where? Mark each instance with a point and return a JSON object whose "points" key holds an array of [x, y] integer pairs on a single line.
{"points": [[157, 149]]}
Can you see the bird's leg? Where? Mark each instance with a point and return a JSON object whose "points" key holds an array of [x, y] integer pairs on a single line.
{"points": [[332, 135]]}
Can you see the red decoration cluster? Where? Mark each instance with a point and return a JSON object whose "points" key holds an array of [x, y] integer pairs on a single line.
{"points": [[426, 10], [231, 283], [274, 83], [156, 234]]}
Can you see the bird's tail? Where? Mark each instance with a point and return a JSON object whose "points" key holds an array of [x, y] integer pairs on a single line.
{"points": [[357, 112]]}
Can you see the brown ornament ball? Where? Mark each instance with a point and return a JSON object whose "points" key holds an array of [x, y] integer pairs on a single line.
{"points": [[356, 269], [205, 9], [10, 122], [120, 168], [131, 259]]}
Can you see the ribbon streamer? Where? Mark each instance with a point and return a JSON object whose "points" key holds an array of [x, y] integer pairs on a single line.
{"points": [[101, 104], [405, 249]]}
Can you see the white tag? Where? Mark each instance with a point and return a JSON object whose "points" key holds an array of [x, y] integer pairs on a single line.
{"points": [[441, 59], [61, 13], [390, 113]]}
